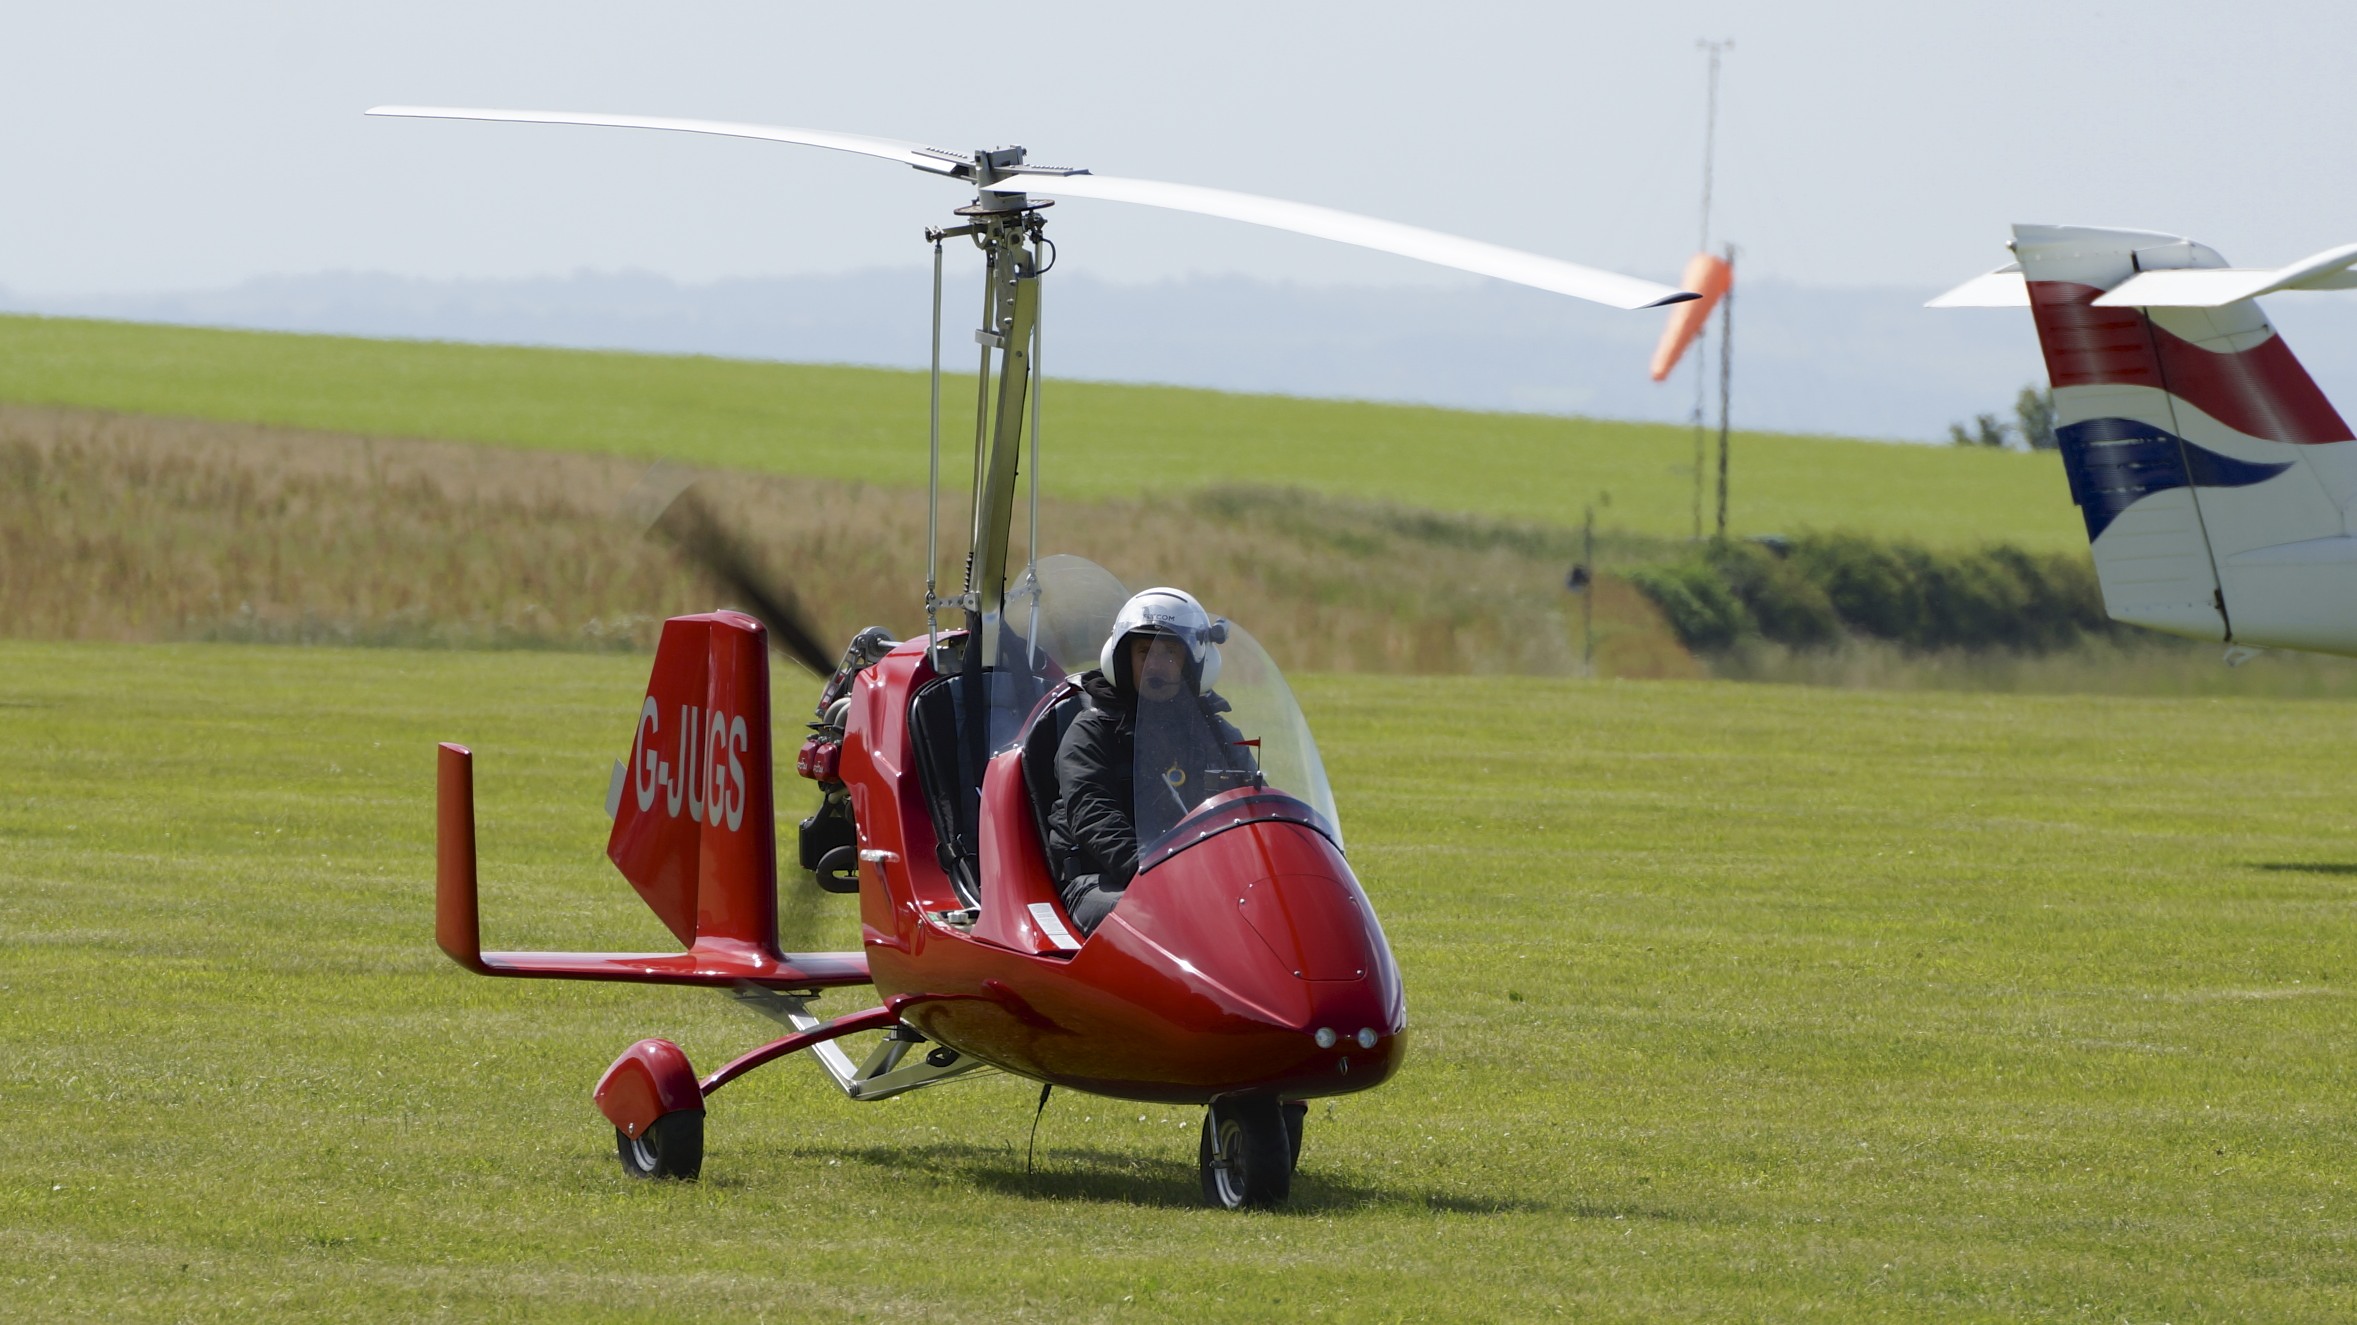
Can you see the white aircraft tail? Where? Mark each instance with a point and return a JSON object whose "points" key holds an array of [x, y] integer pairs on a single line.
{"points": [[2215, 478]]}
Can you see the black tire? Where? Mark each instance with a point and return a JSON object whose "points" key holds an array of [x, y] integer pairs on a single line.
{"points": [[1247, 1154], [673, 1147], [838, 871], [826, 830], [1296, 1114]]}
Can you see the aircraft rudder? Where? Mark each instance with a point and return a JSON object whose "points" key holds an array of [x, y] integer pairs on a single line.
{"points": [[694, 829], [739, 837], [2122, 427]]}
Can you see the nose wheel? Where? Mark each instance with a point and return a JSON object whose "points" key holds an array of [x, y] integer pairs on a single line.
{"points": [[1250, 1147]]}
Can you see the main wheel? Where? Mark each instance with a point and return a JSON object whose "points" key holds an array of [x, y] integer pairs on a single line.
{"points": [[673, 1147], [1247, 1153], [838, 871], [1296, 1113]]}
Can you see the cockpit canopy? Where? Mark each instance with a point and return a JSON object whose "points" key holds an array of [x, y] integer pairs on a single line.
{"points": [[1238, 742]]}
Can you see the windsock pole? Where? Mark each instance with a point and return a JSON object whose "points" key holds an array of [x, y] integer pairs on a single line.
{"points": [[1700, 352], [1689, 322], [1710, 135], [1726, 379]]}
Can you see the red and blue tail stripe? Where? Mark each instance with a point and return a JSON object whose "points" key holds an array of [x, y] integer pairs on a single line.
{"points": [[2261, 391]]}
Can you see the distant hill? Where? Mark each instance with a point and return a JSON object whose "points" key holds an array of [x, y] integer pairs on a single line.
{"points": [[1856, 362], [1101, 440]]}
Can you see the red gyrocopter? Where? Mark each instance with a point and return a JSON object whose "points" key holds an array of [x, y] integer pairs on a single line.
{"points": [[1243, 968]]}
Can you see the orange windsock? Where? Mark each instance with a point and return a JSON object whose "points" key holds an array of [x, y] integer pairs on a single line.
{"points": [[1706, 276]]}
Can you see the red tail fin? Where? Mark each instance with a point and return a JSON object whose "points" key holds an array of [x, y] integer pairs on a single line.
{"points": [[695, 832]]}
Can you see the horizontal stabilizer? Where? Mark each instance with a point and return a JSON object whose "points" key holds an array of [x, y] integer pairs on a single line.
{"points": [[713, 961], [2002, 288], [800, 970], [2216, 287]]}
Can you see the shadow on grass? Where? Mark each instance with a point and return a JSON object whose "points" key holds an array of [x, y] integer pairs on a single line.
{"points": [[1068, 1173], [2344, 868]]}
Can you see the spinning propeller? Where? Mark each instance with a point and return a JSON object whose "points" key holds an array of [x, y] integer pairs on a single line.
{"points": [[1003, 177], [693, 527]]}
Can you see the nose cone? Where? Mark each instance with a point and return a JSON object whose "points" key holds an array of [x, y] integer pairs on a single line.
{"points": [[1273, 955], [1317, 924]]}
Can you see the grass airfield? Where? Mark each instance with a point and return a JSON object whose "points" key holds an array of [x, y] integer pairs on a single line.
{"points": [[1729, 1002]]}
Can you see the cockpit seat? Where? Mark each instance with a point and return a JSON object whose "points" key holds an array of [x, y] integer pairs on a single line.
{"points": [[1041, 741], [1020, 908], [938, 726]]}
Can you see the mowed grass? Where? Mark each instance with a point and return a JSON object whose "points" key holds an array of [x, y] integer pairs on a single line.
{"points": [[1102, 440], [1728, 1002]]}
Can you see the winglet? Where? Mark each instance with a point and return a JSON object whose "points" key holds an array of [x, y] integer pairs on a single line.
{"points": [[458, 929]]}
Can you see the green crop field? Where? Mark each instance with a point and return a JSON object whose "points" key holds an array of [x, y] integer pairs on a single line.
{"points": [[1101, 440], [1728, 1002]]}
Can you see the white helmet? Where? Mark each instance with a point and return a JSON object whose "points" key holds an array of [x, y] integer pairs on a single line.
{"points": [[1172, 612]]}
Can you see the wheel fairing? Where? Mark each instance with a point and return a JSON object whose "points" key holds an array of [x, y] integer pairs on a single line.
{"points": [[651, 1078]]}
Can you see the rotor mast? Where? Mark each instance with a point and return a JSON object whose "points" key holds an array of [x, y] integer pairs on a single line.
{"points": [[1007, 228]]}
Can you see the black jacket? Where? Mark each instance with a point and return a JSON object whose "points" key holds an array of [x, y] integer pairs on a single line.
{"points": [[1094, 828]]}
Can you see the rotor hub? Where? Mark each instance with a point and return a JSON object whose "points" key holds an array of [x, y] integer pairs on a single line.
{"points": [[992, 164]]}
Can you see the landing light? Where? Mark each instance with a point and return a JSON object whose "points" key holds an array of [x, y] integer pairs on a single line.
{"points": [[1367, 1037], [1326, 1037]]}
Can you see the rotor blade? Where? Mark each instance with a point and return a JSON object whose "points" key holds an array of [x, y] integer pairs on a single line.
{"points": [[937, 160], [1408, 241], [697, 532]]}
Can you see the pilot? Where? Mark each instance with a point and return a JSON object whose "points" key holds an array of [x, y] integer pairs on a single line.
{"points": [[1152, 717]]}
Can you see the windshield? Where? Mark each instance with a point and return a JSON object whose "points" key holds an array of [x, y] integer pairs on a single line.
{"points": [[1261, 706], [1057, 617], [1236, 740]]}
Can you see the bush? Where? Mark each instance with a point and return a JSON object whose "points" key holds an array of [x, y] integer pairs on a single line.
{"points": [[1785, 605], [1700, 606], [1825, 586]]}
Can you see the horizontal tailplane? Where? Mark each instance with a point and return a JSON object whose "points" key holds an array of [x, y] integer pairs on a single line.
{"points": [[708, 866]]}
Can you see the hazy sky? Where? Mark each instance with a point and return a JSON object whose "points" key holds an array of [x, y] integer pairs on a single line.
{"points": [[166, 146]]}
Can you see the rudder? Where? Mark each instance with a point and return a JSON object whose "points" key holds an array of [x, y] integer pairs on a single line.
{"points": [[2170, 420], [695, 831]]}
